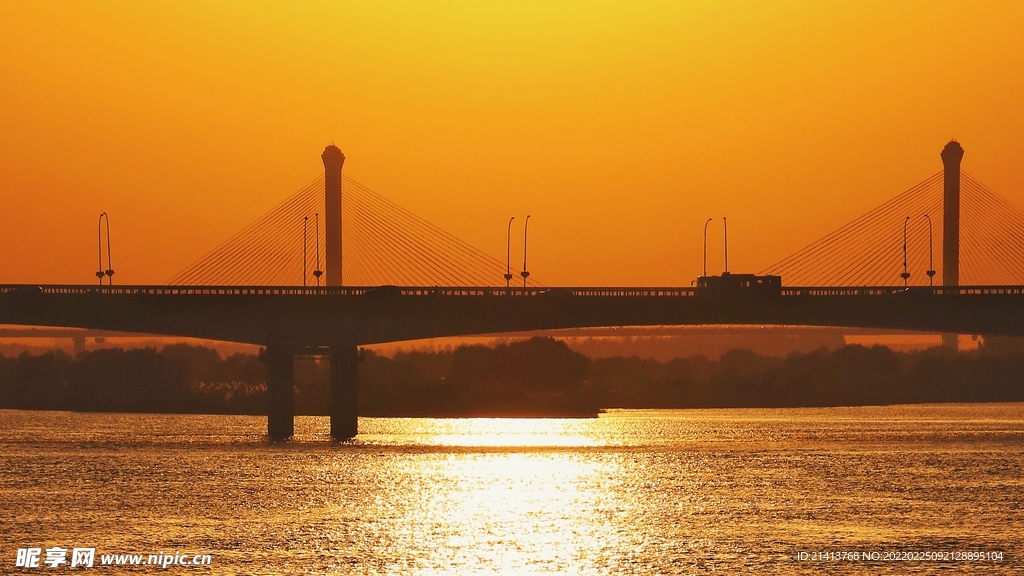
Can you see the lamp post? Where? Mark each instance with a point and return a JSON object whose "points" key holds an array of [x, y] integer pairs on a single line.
{"points": [[525, 273], [305, 222], [110, 267], [905, 275], [931, 266], [109, 272], [706, 245], [725, 227], [508, 253], [317, 272], [99, 246]]}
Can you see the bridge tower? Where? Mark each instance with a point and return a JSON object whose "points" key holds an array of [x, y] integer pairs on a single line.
{"points": [[333, 161], [951, 155], [344, 357]]}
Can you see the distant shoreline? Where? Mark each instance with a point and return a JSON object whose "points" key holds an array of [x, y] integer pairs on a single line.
{"points": [[535, 378]]}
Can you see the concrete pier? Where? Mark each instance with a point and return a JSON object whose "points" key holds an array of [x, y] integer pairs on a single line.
{"points": [[280, 392], [344, 392]]}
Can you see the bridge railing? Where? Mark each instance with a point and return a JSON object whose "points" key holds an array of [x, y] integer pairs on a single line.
{"points": [[343, 290], [585, 291], [899, 290]]}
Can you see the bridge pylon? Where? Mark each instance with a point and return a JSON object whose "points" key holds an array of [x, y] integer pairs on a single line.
{"points": [[333, 161], [951, 155]]}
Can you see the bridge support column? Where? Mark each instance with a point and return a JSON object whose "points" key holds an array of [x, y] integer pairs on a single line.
{"points": [[344, 392], [280, 392], [79, 343]]}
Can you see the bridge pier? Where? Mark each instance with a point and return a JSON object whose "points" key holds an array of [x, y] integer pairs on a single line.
{"points": [[344, 392], [280, 392]]}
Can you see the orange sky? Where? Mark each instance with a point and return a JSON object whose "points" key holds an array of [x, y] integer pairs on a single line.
{"points": [[619, 126]]}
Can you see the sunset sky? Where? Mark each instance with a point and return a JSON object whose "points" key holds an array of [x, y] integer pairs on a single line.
{"points": [[619, 126]]}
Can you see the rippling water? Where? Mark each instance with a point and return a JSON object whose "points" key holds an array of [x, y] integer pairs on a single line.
{"points": [[638, 492]]}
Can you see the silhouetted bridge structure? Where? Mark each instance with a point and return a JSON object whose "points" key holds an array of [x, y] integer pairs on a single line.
{"points": [[335, 320], [338, 320], [301, 318]]}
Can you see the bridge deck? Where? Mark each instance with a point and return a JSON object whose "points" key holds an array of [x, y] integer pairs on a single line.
{"points": [[355, 315]]}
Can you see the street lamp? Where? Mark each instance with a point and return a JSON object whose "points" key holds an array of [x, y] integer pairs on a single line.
{"points": [[109, 272], [305, 222], [110, 267], [706, 245], [725, 227], [317, 272], [525, 274], [508, 253], [99, 246], [931, 267], [905, 275]]}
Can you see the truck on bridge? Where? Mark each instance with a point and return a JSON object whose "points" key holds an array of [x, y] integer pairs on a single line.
{"points": [[733, 285]]}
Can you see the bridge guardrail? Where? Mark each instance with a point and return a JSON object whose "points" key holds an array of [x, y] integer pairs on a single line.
{"points": [[586, 291], [343, 290], [899, 290]]}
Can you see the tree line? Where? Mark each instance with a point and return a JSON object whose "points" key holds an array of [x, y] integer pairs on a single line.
{"points": [[535, 377]]}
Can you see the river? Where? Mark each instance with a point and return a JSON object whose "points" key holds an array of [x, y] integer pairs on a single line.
{"points": [[881, 490]]}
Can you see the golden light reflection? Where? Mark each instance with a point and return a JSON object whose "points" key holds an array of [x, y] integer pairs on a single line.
{"points": [[510, 513], [483, 432]]}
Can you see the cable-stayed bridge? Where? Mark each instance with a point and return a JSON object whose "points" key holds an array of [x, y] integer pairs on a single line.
{"points": [[381, 244], [868, 251], [367, 271]]}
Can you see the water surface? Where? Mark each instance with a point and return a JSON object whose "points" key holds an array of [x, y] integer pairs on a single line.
{"points": [[636, 492]]}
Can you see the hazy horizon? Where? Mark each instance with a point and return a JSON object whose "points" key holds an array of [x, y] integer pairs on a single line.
{"points": [[619, 127]]}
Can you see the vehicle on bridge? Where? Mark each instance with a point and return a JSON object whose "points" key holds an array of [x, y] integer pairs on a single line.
{"points": [[25, 289], [385, 291], [739, 285]]}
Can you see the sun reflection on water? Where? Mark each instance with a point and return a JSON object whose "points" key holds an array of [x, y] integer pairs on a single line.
{"points": [[507, 513], [631, 492], [496, 504], [481, 432]]}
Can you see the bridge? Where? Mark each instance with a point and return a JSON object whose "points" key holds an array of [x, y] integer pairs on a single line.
{"points": [[245, 290]]}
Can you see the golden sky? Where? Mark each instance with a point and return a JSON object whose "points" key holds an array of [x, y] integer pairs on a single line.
{"points": [[619, 126]]}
